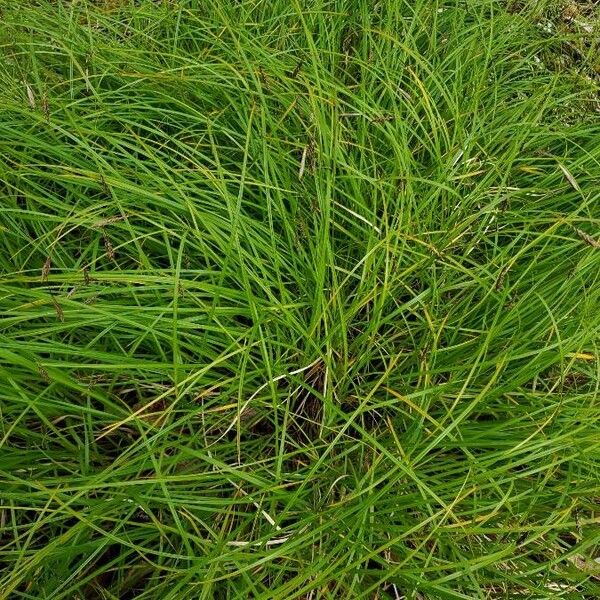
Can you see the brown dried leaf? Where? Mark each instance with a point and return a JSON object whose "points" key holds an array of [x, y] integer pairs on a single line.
{"points": [[308, 159], [108, 220], [569, 177], [302, 163], [30, 96]]}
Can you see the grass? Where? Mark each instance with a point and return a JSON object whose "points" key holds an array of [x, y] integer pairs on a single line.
{"points": [[299, 299]]}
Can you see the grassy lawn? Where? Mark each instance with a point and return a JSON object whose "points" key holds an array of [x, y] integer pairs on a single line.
{"points": [[299, 299]]}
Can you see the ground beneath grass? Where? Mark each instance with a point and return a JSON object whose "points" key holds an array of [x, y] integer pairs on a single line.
{"points": [[299, 299]]}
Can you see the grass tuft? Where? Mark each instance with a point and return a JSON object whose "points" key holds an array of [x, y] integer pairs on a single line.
{"points": [[299, 299]]}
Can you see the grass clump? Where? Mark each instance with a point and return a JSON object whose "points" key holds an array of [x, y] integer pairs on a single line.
{"points": [[299, 300]]}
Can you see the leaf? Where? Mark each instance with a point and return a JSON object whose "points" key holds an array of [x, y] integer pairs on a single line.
{"points": [[569, 177], [30, 96]]}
